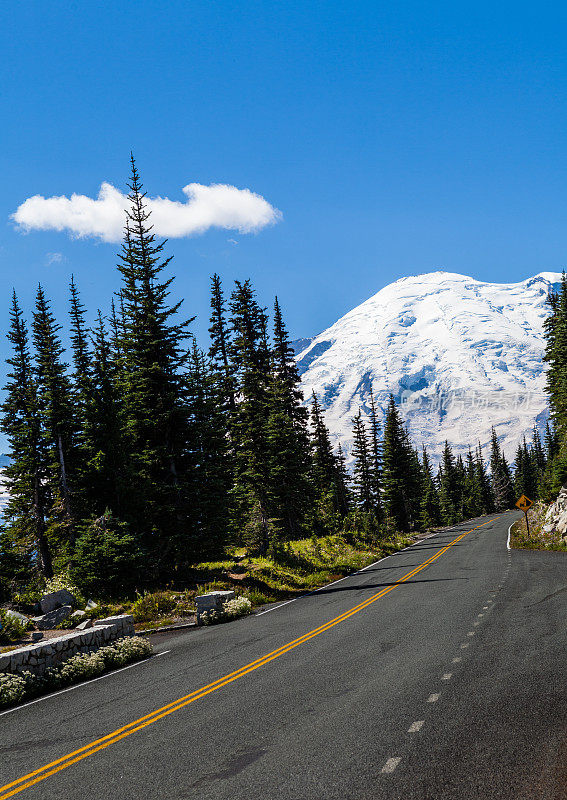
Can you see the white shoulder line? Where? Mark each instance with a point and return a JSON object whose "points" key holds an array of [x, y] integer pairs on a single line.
{"points": [[83, 683], [287, 602]]}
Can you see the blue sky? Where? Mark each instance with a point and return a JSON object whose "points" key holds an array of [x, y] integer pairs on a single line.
{"points": [[395, 138]]}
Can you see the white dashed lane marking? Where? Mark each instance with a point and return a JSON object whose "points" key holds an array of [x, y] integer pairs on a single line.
{"points": [[456, 660], [447, 676], [433, 698], [390, 765], [416, 726]]}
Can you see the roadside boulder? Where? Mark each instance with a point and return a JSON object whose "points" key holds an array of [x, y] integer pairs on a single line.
{"points": [[212, 601], [556, 517], [17, 616], [85, 625], [53, 618], [63, 597]]}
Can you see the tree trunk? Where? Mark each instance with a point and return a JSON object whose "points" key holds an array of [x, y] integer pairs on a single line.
{"points": [[44, 555]]}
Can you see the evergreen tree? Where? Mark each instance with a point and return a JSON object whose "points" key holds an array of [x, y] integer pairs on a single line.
{"points": [[525, 473], [152, 383], [250, 359], [81, 393], [375, 459], [483, 482], [289, 485], [286, 372], [502, 487], [105, 477], [80, 349], [555, 331], [220, 342], [56, 410], [396, 469], [449, 494], [329, 473], [551, 443], [538, 453], [362, 471], [342, 481], [210, 473], [26, 475], [430, 511]]}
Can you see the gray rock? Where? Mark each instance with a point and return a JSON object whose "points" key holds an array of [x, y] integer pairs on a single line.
{"points": [[63, 597], [83, 626], [561, 524], [37, 636], [78, 615], [17, 615], [211, 601], [53, 618], [91, 605]]}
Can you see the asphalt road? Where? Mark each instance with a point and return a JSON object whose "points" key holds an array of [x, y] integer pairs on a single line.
{"points": [[450, 684]]}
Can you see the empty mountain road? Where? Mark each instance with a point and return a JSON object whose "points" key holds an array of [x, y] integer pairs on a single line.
{"points": [[439, 672]]}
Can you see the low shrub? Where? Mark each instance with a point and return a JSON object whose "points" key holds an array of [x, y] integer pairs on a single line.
{"points": [[82, 667], [212, 617], [15, 688], [238, 607], [152, 605], [134, 647], [12, 689], [11, 628]]}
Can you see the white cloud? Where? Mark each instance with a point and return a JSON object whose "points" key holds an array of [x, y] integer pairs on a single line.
{"points": [[54, 258], [214, 206]]}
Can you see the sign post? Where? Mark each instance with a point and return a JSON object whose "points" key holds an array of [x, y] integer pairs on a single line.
{"points": [[524, 503]]}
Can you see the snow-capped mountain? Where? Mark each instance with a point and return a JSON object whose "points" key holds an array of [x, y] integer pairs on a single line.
{"points": [[459, 356]]}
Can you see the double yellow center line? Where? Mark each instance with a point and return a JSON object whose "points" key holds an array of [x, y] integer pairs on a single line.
{"points": [[26, 781]]}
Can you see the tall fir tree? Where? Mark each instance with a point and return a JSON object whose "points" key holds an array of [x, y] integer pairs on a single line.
{"points": [[57, 414], [289, 484], [329, 473], [26, 475], [484, 483], [449, 493], [210, 475], [555, 331], [362, 482], [375, 458], [525, 472], [430, 511], [219, 349], [502, 486], [152, 382], [106, 482], [396, 470], [250, 359]]}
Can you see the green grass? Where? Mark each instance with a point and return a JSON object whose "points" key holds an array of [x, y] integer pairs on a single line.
{"points": [[300, 566], [536, 539]]}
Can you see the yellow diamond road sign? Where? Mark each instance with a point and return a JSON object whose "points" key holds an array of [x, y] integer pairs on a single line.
{"points": [[524, 503]]}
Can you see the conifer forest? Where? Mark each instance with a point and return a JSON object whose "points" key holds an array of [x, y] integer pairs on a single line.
{"points": [[141, 451]]}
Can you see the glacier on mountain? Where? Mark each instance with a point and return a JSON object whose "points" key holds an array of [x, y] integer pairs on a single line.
{"points": [[459, 356]]}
